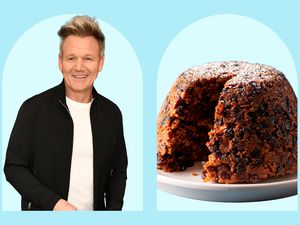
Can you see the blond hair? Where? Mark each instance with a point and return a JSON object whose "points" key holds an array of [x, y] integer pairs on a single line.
{"points": [[82, 26]]}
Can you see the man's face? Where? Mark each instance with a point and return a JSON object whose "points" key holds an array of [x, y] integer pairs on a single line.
{"points": [[80, 63]]}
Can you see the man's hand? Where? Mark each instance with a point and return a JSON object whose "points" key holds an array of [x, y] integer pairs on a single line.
{"points": [[63, 205]]}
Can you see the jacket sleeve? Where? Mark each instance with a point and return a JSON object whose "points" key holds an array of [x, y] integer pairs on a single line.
{"points": [[115, 188], [18, 164]]}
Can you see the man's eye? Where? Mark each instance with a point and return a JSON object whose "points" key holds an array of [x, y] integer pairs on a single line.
{"points": [[88, 59], [71, 59]]}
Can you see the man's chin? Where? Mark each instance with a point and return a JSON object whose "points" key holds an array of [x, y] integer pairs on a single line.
{"points": [[82, 90]]}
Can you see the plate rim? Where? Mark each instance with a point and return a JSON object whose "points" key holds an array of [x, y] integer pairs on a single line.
{"points": [[161, 178]]}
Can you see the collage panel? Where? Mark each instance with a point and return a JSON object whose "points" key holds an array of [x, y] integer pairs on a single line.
{"points": [[46, 154], [227, 119]]}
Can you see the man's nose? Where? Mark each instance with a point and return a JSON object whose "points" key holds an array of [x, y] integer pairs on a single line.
{"points": [[79, 64]]}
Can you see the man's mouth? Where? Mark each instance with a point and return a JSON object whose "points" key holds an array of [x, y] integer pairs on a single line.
{"points": [[79, 76]]}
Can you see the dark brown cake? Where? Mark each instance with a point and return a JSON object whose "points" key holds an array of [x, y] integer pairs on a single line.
{"points": [[250, 113]]}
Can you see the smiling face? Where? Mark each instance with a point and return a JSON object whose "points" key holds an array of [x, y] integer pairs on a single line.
{"points": [[80, 62]]}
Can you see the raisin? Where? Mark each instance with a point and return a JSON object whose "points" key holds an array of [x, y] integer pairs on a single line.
{"points": [[278, 110], [263, 109], [258, 161], [279, 170], [218, 153], [216, 148], [239, 116], [167, 102], [292, 150], [255, 153], [229, 132], [253, 116], [182, 106], [224, 169], [253, 85], [219, 122], [190, 91], [294, 140], [287, 102], [225, 175], [260, 134], [241, 88], [159, 159], [164, 120], [237, 109], [186, 123], [287, 125], [241, 133], [262, 125], [180, 86], [241, 164], [163, 145], [227, 106], [225, 90], [211, 169], [225, 157], [234, 99], [264, 106], [234, 150], [225, 113]]}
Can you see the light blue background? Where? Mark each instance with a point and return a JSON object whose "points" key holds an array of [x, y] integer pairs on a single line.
{"points": [[217, 38], [149, 26]]}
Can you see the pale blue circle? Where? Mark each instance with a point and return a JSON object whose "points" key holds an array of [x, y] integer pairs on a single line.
{"points": [[32, 67], [218, 38]]}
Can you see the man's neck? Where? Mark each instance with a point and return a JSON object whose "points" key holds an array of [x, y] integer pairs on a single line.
{"points": [[80, 97]]}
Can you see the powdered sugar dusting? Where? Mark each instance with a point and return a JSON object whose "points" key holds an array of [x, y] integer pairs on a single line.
{"points": [[242, 70]]}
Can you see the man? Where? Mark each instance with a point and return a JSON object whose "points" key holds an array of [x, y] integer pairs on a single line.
{"points": [[67, 150]]}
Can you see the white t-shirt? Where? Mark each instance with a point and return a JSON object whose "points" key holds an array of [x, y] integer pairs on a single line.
{"points": [[81, 189]]}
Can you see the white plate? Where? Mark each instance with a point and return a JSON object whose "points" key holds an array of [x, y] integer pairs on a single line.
{"points": [[184, 184]]}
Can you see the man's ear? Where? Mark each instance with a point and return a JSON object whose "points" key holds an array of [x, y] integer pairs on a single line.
{"points": [[101, 63]]}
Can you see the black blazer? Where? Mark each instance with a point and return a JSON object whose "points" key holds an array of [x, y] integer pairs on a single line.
{"points": [[38, 158]]}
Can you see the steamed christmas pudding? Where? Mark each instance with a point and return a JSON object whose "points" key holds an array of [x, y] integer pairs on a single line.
{"points": [[238, 117]]}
